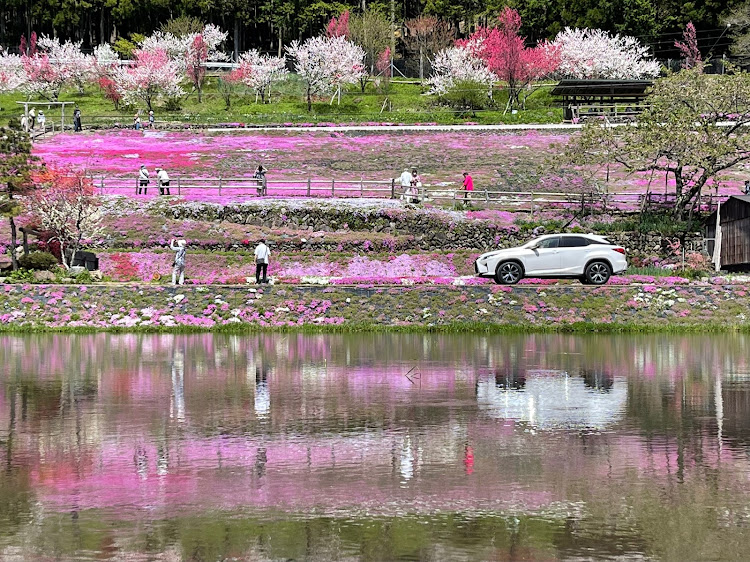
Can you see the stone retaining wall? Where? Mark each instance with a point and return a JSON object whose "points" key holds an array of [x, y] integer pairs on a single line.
{"points": [[404, 228], [151, 307]]}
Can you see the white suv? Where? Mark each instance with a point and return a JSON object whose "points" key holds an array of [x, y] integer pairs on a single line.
{"points": [[587, 257]]}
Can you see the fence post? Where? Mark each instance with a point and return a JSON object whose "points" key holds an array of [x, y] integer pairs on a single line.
{"points": [[393, 188], [179, 190], [333, 188], [361, 187], [219, 185], [532, 203], [487, 196], [421, 194], [308, 186]]}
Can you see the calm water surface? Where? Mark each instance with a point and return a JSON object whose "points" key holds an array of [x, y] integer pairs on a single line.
{"points": [[374, 447]]}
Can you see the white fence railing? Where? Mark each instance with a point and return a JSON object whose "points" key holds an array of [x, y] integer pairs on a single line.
{"points": [[530, 201]]}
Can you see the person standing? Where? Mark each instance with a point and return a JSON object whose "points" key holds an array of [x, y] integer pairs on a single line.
{"points": [[260, 175], [468, 186], [405, 181], [77, 120], [24, 123], [163, 179], [178, 267], [261, 262], [42, 121], [137, 122], [143, 180], [32, 118], [415, 185], [151, 119]]}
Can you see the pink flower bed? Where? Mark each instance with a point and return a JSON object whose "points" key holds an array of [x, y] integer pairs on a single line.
{"points": [[494, 158]]}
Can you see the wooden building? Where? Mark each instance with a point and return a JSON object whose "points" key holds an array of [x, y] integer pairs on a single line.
{"points": [[615, 99], [734, 239]]}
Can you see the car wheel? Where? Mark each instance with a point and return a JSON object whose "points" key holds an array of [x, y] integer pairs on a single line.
{"points": [[509, 273], [598, 273]]}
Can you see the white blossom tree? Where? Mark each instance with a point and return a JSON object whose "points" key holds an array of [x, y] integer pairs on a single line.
{"points": [[458, 64], [179, 48], [153, 76], [68, 60], [12, 75], [326, 64], [65, 203], [259, 71], [593, 53]]}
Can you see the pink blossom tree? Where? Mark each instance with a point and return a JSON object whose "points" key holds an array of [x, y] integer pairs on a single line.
{"points": [[689, 48], [326, 64], [65, 204], [338, 27], [593, 53], [195, 61], [153, 76], [506, 55], [259, 72]]}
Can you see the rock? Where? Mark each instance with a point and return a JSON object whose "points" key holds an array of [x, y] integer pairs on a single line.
{"points": [[97, 275], [76, 270], [179, 298], [44, 276]]}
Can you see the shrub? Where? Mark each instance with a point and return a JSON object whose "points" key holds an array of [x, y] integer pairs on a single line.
{"points": [[38, 261], [21, 276], [467, 96]]}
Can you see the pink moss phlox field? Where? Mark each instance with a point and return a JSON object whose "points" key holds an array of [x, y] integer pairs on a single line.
{"points": [[379, 155]]}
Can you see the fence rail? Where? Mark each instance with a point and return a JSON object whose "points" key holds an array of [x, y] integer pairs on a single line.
{"points": [[530, 201]]}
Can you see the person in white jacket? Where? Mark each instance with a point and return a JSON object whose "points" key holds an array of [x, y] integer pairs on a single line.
{"points": [[163, 179], [178, 267], [143, 180], [261, 262]]}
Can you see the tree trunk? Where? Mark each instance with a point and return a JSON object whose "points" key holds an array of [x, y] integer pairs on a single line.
{"points": [[309, 99], [281, 39], [421, 63], [236, 39], [13, 243]]}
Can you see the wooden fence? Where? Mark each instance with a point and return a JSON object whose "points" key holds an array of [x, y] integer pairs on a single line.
{"points": [[529, 201]]}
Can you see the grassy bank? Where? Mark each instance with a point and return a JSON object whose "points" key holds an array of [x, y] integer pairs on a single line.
{"points": [[404, 102], [574, 309]]}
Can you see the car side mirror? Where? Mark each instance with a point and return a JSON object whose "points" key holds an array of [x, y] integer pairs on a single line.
{"points": [[534, 247]]}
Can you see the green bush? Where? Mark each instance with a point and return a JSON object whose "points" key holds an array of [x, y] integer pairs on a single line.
{"points": [[38, 261], [468, 96], [21, 276]]}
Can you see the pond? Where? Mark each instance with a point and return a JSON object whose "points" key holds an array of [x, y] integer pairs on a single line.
{"points": [[374, 447]]}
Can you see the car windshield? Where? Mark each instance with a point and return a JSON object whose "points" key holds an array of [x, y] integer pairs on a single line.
{"points": [[533, 242]]}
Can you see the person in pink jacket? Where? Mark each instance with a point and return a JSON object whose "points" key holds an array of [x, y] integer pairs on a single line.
{"points": [[468, 186]]}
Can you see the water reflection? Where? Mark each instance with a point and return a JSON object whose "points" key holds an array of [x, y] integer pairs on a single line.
{"points": [[374, 446]]}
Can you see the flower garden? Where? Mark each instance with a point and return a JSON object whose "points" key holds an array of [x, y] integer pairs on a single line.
{"points": [[406, 258]]}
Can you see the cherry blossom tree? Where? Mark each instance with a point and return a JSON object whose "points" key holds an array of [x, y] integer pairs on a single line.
{"points": [[106, 63], [68, 60], [593, 53], [338, 27], [179, 48], [259, 71], [65, 203], [12, 75], [458, 64], [153, 76], [689, 48], [506, 55], [195, 59], [326, 64]]}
